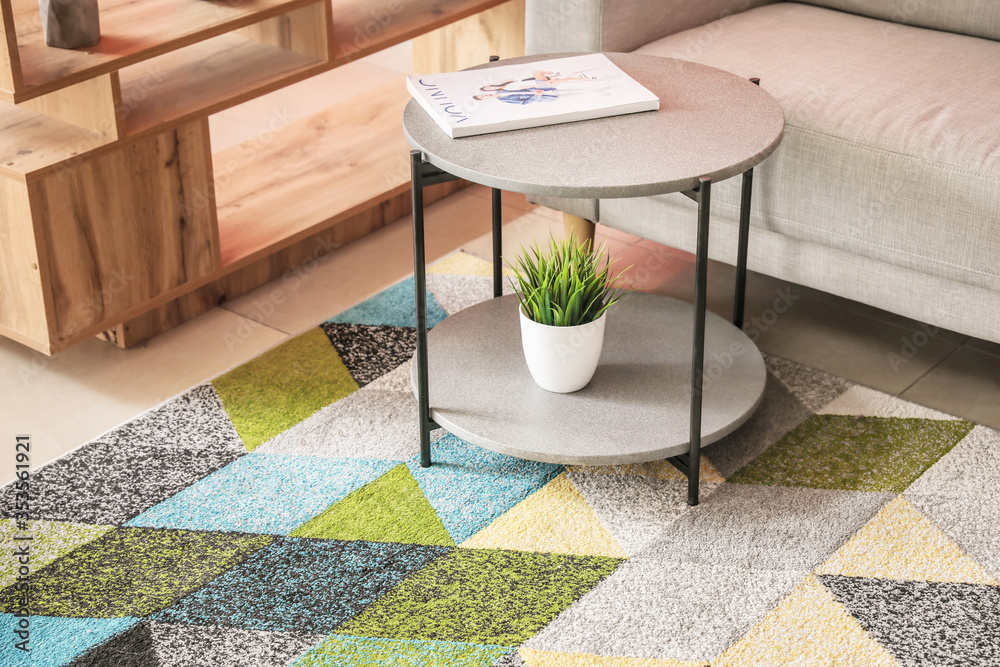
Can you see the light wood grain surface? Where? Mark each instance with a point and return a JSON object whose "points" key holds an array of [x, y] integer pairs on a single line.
{"points": [[21, 296], [92, 105], [126, 226], [362, 28], [206, 78], [31, 142], [131, 31], [495, 32], [10, 61], [312, 171], [302, 30]]}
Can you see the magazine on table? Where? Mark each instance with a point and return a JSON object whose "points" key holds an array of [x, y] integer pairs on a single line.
{"points": [[544, 92]]}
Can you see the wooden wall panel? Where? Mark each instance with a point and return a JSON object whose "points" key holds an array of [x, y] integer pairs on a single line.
{"points": [[127, 226], [22, 304], [471, 41]]}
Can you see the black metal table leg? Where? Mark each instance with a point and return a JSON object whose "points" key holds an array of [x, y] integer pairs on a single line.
{"points": [[497, 244], [741, 253], [420, 283], [698, 349]]}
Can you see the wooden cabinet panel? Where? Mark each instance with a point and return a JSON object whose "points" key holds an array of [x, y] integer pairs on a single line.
{"points": [[126, 226], [22, 303]]}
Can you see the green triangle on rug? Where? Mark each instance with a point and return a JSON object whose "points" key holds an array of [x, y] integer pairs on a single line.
{"points": [[390, 509], [283, 386], [854, 453]]}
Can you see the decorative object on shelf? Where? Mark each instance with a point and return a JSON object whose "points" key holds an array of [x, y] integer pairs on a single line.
{"points": [[70, 24], [564, 296]]}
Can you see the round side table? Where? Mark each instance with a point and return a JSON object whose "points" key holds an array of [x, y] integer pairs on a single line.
{"points": [[649, 399]]}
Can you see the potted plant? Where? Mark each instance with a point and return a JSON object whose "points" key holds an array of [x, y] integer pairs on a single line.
{"points": [[564, 295]]}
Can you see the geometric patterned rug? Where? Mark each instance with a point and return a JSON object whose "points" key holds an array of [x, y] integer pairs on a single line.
{"points": [[278, 516]]}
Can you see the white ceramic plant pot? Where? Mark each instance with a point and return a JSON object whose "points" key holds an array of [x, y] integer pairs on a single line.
{"points": [[562, 359]]}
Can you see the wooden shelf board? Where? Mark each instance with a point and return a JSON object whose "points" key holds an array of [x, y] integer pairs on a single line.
{"points": [[31, 142], [205, 78], [131, 31], [361, 28], [311, 173]]}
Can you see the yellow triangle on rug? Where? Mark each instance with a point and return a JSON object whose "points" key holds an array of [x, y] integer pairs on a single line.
{"points": [[555, 519], [901, 543], [809, 627], [534, 658], [464, 264]]}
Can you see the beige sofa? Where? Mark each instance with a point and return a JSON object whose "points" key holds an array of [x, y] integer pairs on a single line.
{"points": [[886, 188]]}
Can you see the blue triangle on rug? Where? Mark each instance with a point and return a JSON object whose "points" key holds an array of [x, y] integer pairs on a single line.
{"points": [[394, 306], [470, 487]]}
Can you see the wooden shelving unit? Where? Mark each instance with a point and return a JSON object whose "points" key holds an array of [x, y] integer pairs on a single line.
{"points": [[118, 220], [131, 31], [205, 78]]}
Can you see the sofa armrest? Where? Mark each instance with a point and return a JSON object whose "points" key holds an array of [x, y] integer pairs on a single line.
{"points": [[560, 26]]}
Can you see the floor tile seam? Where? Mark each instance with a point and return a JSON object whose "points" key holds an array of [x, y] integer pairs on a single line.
{"points": [[929, 371], [968, 348], [256, 324]]}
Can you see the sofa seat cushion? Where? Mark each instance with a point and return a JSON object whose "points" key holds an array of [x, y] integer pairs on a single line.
{"points": [[892, 145]]}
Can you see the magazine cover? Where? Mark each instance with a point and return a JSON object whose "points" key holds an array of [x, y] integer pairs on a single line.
{"points": [[544, 92]]}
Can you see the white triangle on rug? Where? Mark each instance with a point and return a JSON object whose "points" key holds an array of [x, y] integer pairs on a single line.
{"points": [[397, 379], [456, 293], [866, 402], [901, 543], [636, 508], [554, 519]]}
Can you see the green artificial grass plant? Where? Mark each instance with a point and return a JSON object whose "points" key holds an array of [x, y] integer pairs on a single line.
{"points": [[568, 286]]}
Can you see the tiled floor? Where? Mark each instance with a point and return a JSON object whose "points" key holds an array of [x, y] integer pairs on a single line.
{"points": [[72, 398]]}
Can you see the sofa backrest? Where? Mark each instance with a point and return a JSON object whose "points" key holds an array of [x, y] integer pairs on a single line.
{"points": [[556, 26], [980, 18]]}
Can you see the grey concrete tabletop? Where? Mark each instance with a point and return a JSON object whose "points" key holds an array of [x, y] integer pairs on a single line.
{"points": [[710, 123]]}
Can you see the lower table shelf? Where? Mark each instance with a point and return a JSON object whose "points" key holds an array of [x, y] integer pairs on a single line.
{"points": [[637, 407]]}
